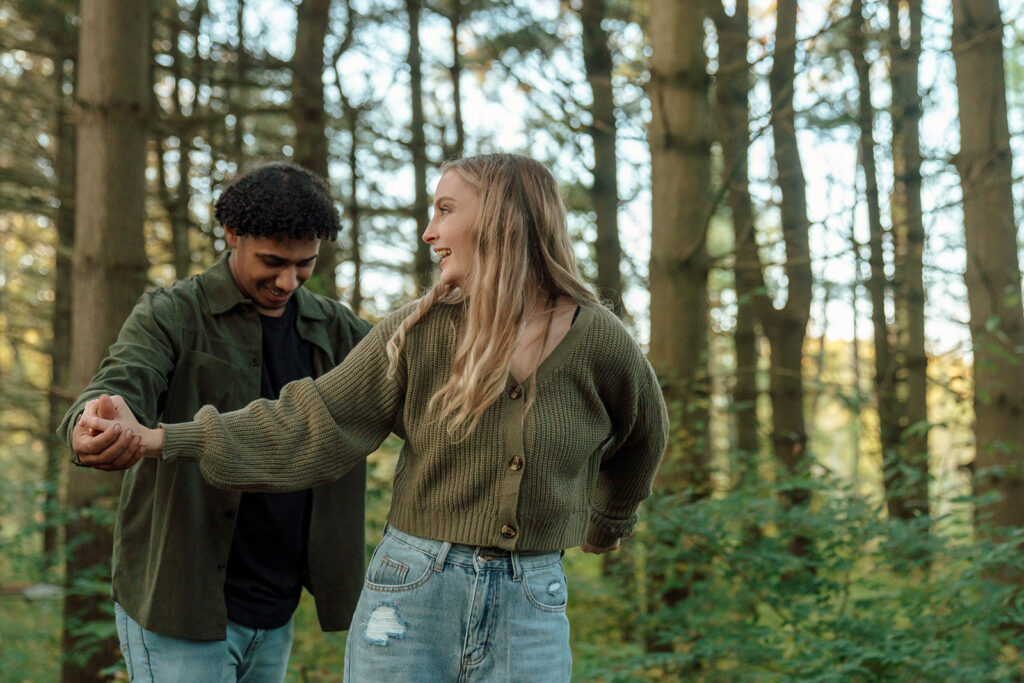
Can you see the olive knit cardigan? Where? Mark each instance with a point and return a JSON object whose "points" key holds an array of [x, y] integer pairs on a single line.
{"points": [[572, 468]]}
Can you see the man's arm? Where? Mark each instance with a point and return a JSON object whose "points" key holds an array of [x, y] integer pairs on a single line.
{"points": [[137, 367]]}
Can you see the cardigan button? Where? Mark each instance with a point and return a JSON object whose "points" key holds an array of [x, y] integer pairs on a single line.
{"points": [[508, 531], [254, 362], [515, 464], [515, 392]]}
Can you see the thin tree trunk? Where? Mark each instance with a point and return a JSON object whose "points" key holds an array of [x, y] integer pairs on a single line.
{"points": [[109, 273], [604, 192], [354, 206], [423, 266], [993, 275], [907, 480], [733, 92], [455, 21], [786, 329], [60, 351], [313, 19], [889, 409]]}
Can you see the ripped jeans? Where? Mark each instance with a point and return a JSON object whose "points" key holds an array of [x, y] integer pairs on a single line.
{"points": [[436, 611]]}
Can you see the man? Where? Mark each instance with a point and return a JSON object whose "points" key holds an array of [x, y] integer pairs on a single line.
{"points": [[205, 581]]}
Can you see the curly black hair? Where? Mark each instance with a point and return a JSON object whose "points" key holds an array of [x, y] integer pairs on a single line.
{"points": [[278, 200]]}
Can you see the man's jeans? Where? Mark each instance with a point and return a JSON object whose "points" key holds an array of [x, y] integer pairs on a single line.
{"points": [[248, 654]]}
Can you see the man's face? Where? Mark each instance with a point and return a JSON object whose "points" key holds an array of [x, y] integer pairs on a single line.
{"points": [[268, 271]]}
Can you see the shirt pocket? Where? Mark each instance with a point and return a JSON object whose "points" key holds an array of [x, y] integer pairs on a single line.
{"points": [[202, 378]]}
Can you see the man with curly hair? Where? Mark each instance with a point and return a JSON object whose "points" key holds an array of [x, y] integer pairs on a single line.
{"points": [[206, 581]]}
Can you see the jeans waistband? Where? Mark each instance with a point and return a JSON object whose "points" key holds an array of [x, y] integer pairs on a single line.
{"points": [[469, 555]]}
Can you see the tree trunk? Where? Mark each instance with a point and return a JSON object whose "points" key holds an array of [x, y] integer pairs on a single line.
{"points": [[604, 192], [993, 275], [907, 479], [733, 92], [455, 21], [889, 409], [680, 142], [313, 19], [60, 351], [109, 273], [786, 329], [423, 265]]}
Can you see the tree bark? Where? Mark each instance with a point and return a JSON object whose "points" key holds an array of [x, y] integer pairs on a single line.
{"points": [[786, 329], [60, 350], [879, 285], [680, 142], [604, 192], [455, 21], [907, 478], [993, 275], [423, 265], [109, 273], [310, 116], [733, 91]]}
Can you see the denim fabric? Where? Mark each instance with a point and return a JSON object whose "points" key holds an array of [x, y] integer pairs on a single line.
{"points": [[248, 655], [434, 611]]}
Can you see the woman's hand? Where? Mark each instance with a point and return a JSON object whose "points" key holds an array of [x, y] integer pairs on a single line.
{"points": [[109, 437], [600, 549]]}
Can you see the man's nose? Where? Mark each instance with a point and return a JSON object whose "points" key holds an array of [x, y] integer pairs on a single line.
{"points": [[287, 280]]}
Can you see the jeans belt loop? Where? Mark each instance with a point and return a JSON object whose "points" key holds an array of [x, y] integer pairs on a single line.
{"points": [[441, 555]]}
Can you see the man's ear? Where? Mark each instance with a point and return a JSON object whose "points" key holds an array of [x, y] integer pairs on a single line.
{"points": [[231, 237]]}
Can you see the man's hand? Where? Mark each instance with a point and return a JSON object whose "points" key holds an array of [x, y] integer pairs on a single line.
{"points": [[600, 549], [115, 448]]}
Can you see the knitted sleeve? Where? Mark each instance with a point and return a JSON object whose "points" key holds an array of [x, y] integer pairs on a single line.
{"points": [[316, 431], [638, 443]]}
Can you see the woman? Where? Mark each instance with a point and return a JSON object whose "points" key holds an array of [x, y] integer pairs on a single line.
{"points": [[533, 423]]}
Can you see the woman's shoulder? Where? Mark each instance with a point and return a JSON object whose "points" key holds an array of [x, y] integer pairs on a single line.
{"points": [[610, 341], [438, 316]]}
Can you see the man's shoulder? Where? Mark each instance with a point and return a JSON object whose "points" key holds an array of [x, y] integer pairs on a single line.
{"points": [[174, 297]]}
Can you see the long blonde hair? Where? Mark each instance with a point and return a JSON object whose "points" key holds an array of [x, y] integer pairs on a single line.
{"points": [[522, 247]]}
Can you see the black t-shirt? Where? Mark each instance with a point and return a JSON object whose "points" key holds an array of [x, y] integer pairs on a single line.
{"points": [[267, 562]]}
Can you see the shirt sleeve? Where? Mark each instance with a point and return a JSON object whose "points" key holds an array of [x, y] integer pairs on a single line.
{"points": [[316, 431], [137, 367], [633, 454]]}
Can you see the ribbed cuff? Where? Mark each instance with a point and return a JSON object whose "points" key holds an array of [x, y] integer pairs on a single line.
{"points": [[604, 531], [182, 441]]}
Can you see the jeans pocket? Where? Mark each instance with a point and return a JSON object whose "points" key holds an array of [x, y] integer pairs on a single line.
{"points": [[397, 566], [545, 587]]}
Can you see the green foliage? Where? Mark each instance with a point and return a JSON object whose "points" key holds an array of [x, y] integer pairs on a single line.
{"points": [[874, 600]]}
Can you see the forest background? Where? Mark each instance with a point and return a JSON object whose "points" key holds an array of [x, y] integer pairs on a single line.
{"points": [[807, 213]]}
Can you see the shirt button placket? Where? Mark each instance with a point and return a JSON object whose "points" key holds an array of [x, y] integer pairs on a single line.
{"points": [[512, 480]]}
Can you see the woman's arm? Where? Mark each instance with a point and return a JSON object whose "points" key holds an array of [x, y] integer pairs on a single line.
{"points": [[316, 431]]}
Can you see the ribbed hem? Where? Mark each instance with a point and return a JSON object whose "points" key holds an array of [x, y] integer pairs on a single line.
{"points": [[482, 529]]}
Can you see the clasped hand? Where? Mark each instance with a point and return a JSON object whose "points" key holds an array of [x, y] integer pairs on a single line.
{"points": [[108, 436]]}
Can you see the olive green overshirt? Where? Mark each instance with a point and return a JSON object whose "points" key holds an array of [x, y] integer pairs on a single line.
{"points": [[194, 343]]}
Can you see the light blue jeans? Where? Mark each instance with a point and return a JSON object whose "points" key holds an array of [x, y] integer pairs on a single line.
{"points": [[434, 611], [247, 654]]}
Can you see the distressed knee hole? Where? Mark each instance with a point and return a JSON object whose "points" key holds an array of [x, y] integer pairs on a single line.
{"points": [[384, 624]]}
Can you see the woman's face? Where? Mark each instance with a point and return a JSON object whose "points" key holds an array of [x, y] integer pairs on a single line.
{"points": [[451, 229]]}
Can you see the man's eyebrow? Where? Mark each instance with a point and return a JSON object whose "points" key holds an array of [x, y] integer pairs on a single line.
{"points": [[279, 259]]}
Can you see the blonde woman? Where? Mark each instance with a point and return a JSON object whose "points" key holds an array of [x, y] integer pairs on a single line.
{"points": [[532, 423]]}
